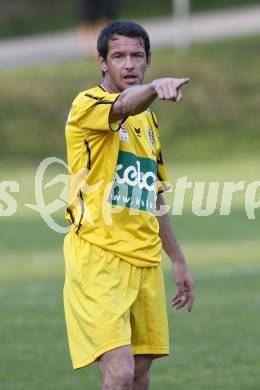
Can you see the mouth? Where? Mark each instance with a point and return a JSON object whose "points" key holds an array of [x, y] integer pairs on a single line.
{"points": [[130, 78]]}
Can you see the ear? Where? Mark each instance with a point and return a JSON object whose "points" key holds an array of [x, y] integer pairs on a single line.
{"points": [[102, 63], [148, 61]]}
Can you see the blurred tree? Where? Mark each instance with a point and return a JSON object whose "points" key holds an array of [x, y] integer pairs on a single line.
{"points": [[19, 17]]}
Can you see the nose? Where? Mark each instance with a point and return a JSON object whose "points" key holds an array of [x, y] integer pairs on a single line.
{"points": [[129, 64]]}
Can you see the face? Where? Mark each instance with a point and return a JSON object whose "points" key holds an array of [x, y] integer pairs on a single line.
{"points": [[125, 64]]}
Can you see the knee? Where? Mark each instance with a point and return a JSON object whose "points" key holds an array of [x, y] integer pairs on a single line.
{"points": [[142, 372], [117, 369], [142, 380]]}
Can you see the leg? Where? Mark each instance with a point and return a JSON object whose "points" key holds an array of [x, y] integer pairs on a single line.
{"points": [[142, 375], [117, 368]]}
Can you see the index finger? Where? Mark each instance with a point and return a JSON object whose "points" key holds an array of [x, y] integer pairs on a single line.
{"points": [[182, 82]]}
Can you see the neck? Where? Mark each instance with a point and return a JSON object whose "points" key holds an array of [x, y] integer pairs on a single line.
{"points": [[106, 85]]}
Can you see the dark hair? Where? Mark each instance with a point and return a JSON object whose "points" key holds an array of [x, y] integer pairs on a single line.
{"points": [[126, 28]]}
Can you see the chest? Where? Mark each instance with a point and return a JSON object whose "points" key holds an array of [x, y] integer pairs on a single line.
{"points": [[136, 136]]}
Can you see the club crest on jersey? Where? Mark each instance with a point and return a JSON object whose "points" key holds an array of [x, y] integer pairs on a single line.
{"points": [[151, 137], [123, 133]]}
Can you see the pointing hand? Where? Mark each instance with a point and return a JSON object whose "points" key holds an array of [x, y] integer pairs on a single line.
{"points": [[170, 88]]}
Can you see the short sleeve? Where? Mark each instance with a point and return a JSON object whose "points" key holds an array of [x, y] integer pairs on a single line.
{"points": [[92, 111], [163, 183]]}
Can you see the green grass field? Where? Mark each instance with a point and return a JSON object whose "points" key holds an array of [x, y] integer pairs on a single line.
{"points": [[214, 347]]}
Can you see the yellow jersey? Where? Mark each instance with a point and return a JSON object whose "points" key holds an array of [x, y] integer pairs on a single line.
{"points": [[116, 171]]}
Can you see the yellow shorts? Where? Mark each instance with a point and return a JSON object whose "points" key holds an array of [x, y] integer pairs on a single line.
{"points": [[110, 303]]}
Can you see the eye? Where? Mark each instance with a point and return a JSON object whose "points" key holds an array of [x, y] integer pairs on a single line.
{"points": [[138, 56]]}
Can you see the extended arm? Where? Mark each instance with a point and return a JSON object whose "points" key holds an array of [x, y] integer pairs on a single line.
{"points": [[138, 98], [185, 287]]}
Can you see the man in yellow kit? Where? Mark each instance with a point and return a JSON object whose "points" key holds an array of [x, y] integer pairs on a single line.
{"points": [[114, 294]]}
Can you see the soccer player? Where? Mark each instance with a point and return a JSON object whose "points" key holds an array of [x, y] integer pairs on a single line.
{"points": [[114, 293]]}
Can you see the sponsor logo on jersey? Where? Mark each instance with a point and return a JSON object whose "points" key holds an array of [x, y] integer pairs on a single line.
{"points": [[124, 136], [135, 182]]}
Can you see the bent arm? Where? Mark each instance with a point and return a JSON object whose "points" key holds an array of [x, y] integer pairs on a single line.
{"points": [[133, 100], [138, 98]]}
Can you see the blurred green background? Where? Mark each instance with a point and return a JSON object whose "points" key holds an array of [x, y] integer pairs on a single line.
{"points": [[28, 16], [213, 135]]}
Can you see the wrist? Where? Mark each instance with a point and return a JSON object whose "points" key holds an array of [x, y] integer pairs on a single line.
{"points": [[153, 86]]}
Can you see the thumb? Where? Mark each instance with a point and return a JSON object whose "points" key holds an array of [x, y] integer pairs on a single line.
{"points": [[179, 96]]}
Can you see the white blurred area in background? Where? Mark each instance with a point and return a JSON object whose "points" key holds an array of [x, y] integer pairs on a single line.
{"points": [[180, 31], [181, 16]]}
